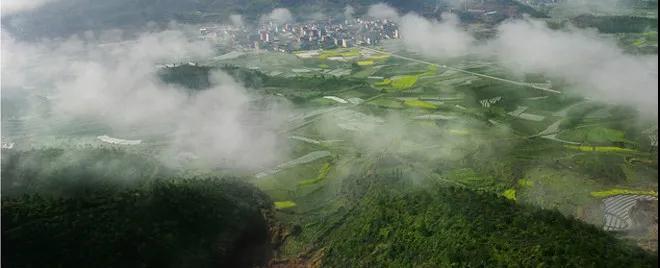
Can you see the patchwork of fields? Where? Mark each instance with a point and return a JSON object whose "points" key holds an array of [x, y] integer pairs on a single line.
{"points": [[360, 114]]}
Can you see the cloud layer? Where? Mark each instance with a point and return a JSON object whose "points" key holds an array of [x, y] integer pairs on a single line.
{"points": [[236, 20], [383, 11], [349, 11], [8, 7], [118, 84], [279, 16], [594, 66], [436, 39]]}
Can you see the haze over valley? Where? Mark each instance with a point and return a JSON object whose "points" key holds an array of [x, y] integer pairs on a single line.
{"points": [[329, 133]]}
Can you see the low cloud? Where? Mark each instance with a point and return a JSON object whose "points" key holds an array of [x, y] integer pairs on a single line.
{"points": [[383, 11], [279, 16], [592, 65], [433, 38], [8, 7], [349, 11], [317, 16], [118, 85], [595, 66], [236, 20]]}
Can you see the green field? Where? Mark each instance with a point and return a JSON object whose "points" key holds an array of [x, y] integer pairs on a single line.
{"points": [[419, 166], [340, 52], [403, 82], [420, 104]]}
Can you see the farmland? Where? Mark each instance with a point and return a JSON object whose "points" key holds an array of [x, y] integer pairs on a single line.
{"points": [[377, 149], [430, 125]]}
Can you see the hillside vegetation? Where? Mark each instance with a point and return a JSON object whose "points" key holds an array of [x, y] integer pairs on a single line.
{"points": [[443, 226], [160, 222]]}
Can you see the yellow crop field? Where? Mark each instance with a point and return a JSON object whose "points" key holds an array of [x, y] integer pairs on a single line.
{"points": [[284, 204], [379, 57], [420, 104], [323, 173], [339, 53], [383, 83], [525, 183], [365, 62], [604, 149], [403, 82], [616, 191], [510, 194]]}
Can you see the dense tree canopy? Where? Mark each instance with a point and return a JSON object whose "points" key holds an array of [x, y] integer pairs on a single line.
{"points": [[444, 226]]}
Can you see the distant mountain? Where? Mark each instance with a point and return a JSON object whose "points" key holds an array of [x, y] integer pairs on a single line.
{"points": [[61, 18]]}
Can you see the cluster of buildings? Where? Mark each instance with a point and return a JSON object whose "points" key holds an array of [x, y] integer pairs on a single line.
{"points": [[6, 145], [310, 35]]}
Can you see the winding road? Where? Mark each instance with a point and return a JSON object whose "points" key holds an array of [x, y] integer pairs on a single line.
{"points": [[519, 83]]}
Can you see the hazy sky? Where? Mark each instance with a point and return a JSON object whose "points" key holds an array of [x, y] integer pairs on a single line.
{"points": [[13, 6]]}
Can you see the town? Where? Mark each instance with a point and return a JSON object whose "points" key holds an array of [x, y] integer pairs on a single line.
{"points": [[287, 37]]}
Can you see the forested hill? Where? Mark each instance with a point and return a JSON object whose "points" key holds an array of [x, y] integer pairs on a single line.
{"points": [[57, 213], [105, 207], [441, 226]]}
